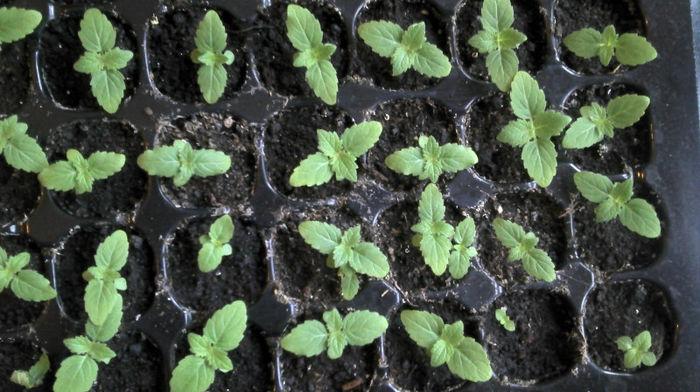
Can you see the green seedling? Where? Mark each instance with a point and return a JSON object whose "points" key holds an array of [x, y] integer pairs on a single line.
{"points": [[345, 252], [430, 160], [104, 281], [615, 199], [25, 284], [628, 49], [304, 32], [102, 60], [180, 161], [441, 244], [533, 129], [499, 39], [406, 48], [17, 23], [78, 173], [20, 150], [447, 344], [222, 333], [336, 155], [637, 350], [33, 377], [312, 337], [596, 121], [215, 244], [503, 318], [521, 246], [211, 55], [78, 372]]}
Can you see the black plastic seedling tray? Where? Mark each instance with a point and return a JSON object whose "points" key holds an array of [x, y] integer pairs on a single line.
{"points": [[282, 281]]}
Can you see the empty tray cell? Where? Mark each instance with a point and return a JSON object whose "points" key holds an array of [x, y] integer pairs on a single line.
{"points": [[14, 76], [19, 355], [19, 191], [138, 365]]}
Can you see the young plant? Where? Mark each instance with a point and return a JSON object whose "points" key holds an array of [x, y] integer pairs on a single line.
{"points": [[430, 160], [406, 48], [628, 48], [596, 121], [102, 60], [17, 23], [104, 281], [637, 350], [336, 155], [503, 318], [304, 32], [20, 150], [78, 372], [78, 173], [211, 56], [215, 244], [615, 199], [345, 252], [435, 237], [447, 344], [499, 39], [223, 332], [180, 161], [312, 337], [521, 246], [33, 377], [25, 284], [533, 129]]}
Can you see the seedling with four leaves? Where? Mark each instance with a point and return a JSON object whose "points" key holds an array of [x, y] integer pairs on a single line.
{"points": [[521, 246], [26, 284], [503, 318], [615, 199], [637, 350], [499, 39], [215, 244], [78, 173], [336, 155], [346, 252], [17, 23], [33, 377], [222, 333], [102, 60], [211, 55], [628, 48], [406, 48], [104, 280], [312, 337], [180, 161], [447, 344], [430, 160], [20, 150]]}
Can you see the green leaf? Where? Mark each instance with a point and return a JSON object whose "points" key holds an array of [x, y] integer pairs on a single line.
{"points": [[349, 283], [359, 138], [626, 110], [510, 38], [226, 327], [424, 328], [431, 61], [221, 231], [59, 176], [209, 257], [101, 353], [382, 36], [455, 157], [24, 153], [540, 161], [321, 236], [459, 262], [440, 353], [407, 161], [470, 362], [336, 344], [624, 343], [484, 41], [369, 260], [582, 134], [631, 49], [18, 261], [78, 344], [401, 61], [607, 210], [96, 32], [436, 251], [622, 192], [113, 252], [211, 33], [431, 207], [208, 163], [640, 217], [199, 345], [453, 333], [100, 298], [303, 29], [550, 123], [76, 373], [192, 374], [161, 161], [32, 286], [642, 341], [502, 66], [212, 81], [89, 63], [414, 37], [584, 43], [17, 23], [609, 39], [594, 187], [344, 167], [505, 321], [328, 143], [363, 327], [649, 359], [496, 15], [312, 171], [508, 233], [34, 376], [527, 99], [105, 164], [538, 264], [115, 59], [108, 87], [322, 78], [307, 339], [465, 232], [516, 133], [333, 320], [110, 326], [218, 359]]}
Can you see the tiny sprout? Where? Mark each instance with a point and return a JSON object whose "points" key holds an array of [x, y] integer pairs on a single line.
{"points": [[430, 160], [522, 247], [33, 377], [215, 244], [503, 318], [637, 350], [180, 161], [78, 173], [629, 49], [26, 284], [210, 40]]}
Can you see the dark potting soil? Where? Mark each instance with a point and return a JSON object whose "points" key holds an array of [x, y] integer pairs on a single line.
{"points": [[404, 13], [498, 161], [19, 191], [170, 42], [274, 53], [137, 367], [403, 121], [626, 308], [119, 193], [533, 210], [242, 275], [14, 76], [15, 312], [77, 255], [224, 133], [60, 48], [529, 20], [409, 364], [629, 149], [20, 355], [573, 15], [290, 137], [545, 344]]}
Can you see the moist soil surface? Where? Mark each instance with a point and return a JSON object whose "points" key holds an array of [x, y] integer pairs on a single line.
{"points": [[529, 20], [242, 275], [119, 193], [77, 255], [274, 53], [14, 76], [19, 191], [137, 367], [291, 136], [22, 355], [573, 15], [378, 69], [626, 308], [170, 42], [545, 343], [60, 48], [224, 133]]}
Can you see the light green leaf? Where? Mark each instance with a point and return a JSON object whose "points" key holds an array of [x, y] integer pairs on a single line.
{"points": [[226, 327], [369, 260], [484, 41], [312, 171], [465, 231], [414, 37], [34, 376], [640, 217], [192, 374], [505, 321], [649, 359], [333, 320], [212, 81], [211, 33], [328, 143], [303, 29], [78, 344], [308, 339], [502, 66], [32, 286], [209, 257], [336, 344], [508, 233], [382, 36], [96, 32], [470, 362], [109, 328], [550, 123], [349, 283], [89, 63], [642, 341], [24, 153], [323, 52], [423, 327], [59, 176], [624, 343], [606, 211], [407, 161], [430, 61], [344, 166], [363, 327], [540, 161], [208, 163], [161, 161], [17, 23], [221, 231], [455, 157], [581, 134], [100, 298], [594, 187], [218, 359], [496, 15], [584, 43], [114, 59], [440, 353], [199, 345], [101, 353], [516, 133], [76, 373], [631, 49], [538, 264], [459, 262], [436, 251], [608, 41], [626, 110], [621, 192], [510, 38], [113, 252], [527, 99], [431, 207], [321, 236], [104, 164], [108, 87], [323, 79], [359, 138]]}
